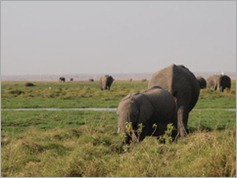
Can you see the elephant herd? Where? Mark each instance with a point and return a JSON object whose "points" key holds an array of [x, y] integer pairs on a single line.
{"points": [[216, 82], [172, 93]]}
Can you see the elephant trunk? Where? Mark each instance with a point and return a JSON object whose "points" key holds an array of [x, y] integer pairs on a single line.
{"points": [[130, 136]]}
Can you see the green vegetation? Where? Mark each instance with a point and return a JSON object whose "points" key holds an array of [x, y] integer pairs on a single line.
{"points": [[85, 143], [213, 99], [65, 95], [88, 94]]}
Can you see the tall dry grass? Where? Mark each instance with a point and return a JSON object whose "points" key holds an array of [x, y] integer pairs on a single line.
{"points": [[92, 153]]}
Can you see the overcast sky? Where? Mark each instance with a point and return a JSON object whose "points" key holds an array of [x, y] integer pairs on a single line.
{"points": [[61, 37]]}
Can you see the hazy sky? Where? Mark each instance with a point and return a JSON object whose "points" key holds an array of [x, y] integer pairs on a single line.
{"points": [[60, 37]]}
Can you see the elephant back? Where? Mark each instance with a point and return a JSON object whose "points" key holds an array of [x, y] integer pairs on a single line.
{"points": [[186, 86], [162, 102], [180, 82], [162, 79]]}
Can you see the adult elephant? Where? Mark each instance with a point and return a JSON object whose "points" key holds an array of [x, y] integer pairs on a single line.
{"points": [[202, 82], [182, 84], [29, 84], [219, 82], [62, 79], [106, 82], [153, 106]]}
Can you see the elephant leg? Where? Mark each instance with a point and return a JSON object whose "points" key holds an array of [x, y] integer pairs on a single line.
{"points": [[182, 121], [130, 138], [215, 88]]}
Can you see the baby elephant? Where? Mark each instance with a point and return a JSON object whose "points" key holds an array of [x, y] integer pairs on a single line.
{"points": [[146, 114]]}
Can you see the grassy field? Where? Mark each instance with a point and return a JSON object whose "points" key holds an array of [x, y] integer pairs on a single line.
{"points": [[88, 94], [65, 95], [86, 143]]}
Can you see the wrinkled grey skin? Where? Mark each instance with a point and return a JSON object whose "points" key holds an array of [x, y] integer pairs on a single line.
{"points": [[202, 82], [219, 82], [182, 84], [153, 106], [106, 82]]}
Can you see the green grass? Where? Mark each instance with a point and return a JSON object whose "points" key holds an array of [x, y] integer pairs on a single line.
{"points": [[85, 143], [88, 94], [19, 121], [209, 120], [66, 95], [215, 99]]}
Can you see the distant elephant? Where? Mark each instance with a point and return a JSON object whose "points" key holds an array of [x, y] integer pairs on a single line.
{"points": [[153, 106], [202, 82], [182, 84], [29, 84], [106, 82], [219, 82], [91, 80], [62, 79]]}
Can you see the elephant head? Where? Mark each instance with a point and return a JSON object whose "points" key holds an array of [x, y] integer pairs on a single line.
{"points": [[133, 111]]}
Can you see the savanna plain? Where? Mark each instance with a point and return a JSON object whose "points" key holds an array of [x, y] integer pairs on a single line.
{"points": [[73, 143]]}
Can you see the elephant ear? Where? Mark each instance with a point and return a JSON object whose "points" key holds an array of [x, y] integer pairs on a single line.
{"points": [[130, 96], [145, 109]]}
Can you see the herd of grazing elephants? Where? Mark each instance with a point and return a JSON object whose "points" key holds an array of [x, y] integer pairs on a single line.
{"points": [[172, 93]]}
